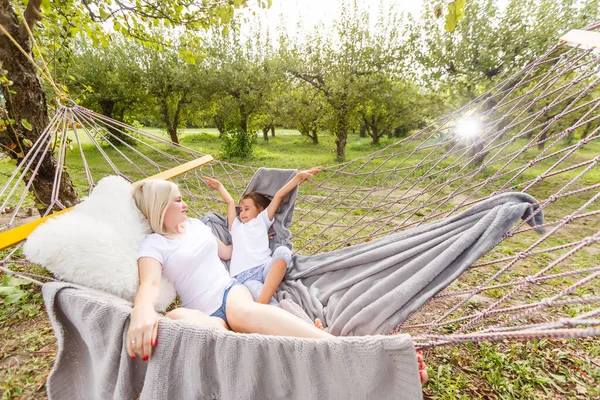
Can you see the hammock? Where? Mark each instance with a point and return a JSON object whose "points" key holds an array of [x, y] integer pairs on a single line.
{"points": [[529, 286], [359, 290]]}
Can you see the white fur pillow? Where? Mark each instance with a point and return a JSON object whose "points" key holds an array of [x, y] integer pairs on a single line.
{"points": [[96, 243]]}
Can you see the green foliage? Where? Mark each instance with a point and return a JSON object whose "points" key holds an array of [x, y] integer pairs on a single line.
{"points": [[490, 43], [237, 144], [174, 88], [456, 11], [340, 63], [11, 289], [515, 370], [245, 78], [137, 20], [304, 108]]}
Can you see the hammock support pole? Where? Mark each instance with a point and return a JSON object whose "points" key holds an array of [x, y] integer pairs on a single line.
{"points": [[15, 235]]}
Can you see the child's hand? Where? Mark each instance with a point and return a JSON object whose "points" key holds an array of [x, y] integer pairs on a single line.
{"points": [[213, 183], [304, 175]]}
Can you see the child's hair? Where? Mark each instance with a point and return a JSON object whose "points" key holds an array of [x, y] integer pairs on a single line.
{"points": [[260, 200], [152, 197]]}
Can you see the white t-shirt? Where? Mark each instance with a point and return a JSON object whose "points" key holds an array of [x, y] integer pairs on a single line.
{"points": [[250, 243], [191, 262]]}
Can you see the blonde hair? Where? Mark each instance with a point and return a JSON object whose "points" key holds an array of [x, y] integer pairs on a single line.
{"points": [[153, 197]]}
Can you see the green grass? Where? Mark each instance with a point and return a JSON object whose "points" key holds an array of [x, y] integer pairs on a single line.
{"points": [[512, 370]]}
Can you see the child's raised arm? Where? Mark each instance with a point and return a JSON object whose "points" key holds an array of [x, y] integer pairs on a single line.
{"points": [[215, 184], [288, 187]]}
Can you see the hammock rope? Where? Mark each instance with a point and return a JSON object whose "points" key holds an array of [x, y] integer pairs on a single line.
{"points": [[528, 287]]}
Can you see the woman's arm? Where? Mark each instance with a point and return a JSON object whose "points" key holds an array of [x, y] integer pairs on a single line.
{"points": [[144, 320], [224, 250], [231, 213], [288, 187]]}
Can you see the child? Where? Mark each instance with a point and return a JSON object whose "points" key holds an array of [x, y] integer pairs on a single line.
{"points": [[251, 261]]}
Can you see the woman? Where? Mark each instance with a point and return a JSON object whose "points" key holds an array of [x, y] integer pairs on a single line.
{"points": [[189, 255], [187, 252]]}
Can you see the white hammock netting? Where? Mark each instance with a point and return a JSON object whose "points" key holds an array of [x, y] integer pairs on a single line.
{"points": [[538, 133]]}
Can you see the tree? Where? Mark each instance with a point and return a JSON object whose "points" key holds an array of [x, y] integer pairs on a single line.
{"points": [[172, 86], [27, 109], [303, 108], [245, 77], [337, 63], [110, 79], [490, 42], [389, 107]]}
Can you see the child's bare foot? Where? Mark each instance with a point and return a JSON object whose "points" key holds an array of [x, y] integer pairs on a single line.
{"points": [[319, 324], [422, 368]]}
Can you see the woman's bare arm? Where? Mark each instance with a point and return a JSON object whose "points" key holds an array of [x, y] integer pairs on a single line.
{"points": [[144, 320]]}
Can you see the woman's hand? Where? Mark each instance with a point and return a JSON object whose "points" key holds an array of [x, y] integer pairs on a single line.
{"points": [[304, 175], [143, 330], [213, 183], [144, 320]]}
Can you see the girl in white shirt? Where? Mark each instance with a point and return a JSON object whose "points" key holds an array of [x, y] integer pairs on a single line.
{"points": [[251, 262], [189, 255]]}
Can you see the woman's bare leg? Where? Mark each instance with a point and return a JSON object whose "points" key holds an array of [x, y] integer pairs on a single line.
{"points": [[197, 317], [244, 315]]}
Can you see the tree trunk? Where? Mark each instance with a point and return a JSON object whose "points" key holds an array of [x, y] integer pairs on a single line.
{"points": [[542, 140], [243, 115], [478, 154], [265, 132], [272, 130], [176, 120], [341, 135], [375, 134], [363, 131], [173, 134], [244, 124], [107, 107], [109, 110], [589, 128], [28, 102], [170, 125], [314, 136], [220, 124]]}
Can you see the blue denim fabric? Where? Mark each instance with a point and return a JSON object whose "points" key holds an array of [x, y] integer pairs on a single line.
{"points": [[221, 311], [254, 278]]}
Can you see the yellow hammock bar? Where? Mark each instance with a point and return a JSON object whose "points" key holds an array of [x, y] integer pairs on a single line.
{"points": [[15, 235], [581, 38]]}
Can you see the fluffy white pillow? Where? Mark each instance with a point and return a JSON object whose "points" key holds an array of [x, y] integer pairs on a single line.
{"points": [[96, 243]]}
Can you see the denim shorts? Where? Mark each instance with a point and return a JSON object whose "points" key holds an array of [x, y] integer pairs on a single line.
{"points": [[254, 278], [221, 311]]}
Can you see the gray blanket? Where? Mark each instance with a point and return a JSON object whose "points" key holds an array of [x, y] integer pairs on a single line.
{"points": [[190, 362], [372, 287]]}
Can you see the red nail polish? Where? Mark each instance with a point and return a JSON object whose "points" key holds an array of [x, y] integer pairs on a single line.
{"points": [[154, 342], [145, 358], [421, 374], [133, 357]]}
